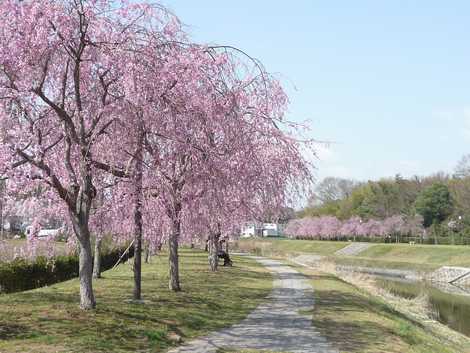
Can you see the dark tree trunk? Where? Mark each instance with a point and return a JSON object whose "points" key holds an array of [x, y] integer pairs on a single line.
{"points": [[174, 283], [147, 252], [138, 221], [214, 251], [97, 259]]}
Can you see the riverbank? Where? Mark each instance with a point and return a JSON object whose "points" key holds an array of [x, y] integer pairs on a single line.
{"points": [[357, 316], [419, 258]]}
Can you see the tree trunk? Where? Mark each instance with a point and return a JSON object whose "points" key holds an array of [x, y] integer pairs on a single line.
{"points": [[138, 221], [97, 259], [85, 270], [79, 212], [214, 247], [174, 283], [147, 252]]}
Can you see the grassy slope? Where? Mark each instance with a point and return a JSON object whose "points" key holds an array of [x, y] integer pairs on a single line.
{"points": [[458, 255], [400, 256], [48, 319], [272, 246], [356, 322]]}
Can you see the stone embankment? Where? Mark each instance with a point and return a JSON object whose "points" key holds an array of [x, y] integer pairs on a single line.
{"points": [[353, 249], [446, 276], [405, 274], [459, 276], [315, 261]]}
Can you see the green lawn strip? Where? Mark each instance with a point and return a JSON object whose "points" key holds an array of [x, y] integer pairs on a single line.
{"points": [[272, 246], [49, 320], [354, 321], [437, 255]]}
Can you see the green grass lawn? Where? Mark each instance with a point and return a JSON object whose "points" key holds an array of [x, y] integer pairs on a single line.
{"points": [[49, 320], [396, 256], [356, 322], [424, 258], [453, 255], [273, 246]]}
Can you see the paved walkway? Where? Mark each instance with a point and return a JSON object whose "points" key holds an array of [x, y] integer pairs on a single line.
{"points": [[276, 325]]}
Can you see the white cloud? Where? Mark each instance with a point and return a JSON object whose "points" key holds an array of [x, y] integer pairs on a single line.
{"points": [[329, 162], [336, 170]]}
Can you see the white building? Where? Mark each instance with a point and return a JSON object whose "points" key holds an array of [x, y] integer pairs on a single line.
{"points": [[248, 230], [253, 229], [44, 233]]}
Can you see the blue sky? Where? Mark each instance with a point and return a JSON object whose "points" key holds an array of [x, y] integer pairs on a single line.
{"points": [[387, 82]]}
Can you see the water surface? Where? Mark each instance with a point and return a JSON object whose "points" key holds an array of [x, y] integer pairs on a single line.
{"points": [[452, 310]]}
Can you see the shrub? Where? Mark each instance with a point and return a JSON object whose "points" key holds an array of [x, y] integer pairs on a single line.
{"points": [[20, 274]]}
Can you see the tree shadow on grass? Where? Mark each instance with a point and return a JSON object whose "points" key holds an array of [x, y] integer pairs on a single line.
{"points": [[355, 322], [207, 302], [10, 331], [355, 337], [350, 301]]}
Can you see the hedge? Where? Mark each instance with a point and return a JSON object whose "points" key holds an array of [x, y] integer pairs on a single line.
{"points": [[20, 275]]}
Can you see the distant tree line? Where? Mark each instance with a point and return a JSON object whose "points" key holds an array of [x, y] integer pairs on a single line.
{"points": [[442, 201]]}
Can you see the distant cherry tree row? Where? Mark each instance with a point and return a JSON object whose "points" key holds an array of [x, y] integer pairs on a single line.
{"points": [[331, 228]]}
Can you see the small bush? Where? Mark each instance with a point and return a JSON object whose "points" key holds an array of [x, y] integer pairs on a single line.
{"points": [[20, 275]]}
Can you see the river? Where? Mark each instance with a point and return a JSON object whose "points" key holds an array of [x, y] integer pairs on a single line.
{"points": [[452, 310]]}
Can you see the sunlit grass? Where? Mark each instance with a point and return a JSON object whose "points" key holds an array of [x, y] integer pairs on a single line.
{"points": [[357, 322], [49, 320], [273, 246]]}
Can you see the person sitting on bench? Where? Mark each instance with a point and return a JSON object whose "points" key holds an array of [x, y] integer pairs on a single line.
{"points": [[224, 255]]}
